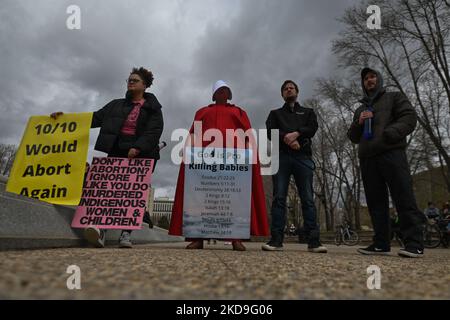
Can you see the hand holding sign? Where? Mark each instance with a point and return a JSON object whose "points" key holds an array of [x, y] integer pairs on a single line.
{"points": [[55, 115], [133, 153]]}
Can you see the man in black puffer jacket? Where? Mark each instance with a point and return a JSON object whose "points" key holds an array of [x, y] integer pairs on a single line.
{"points": [[380, 127], [129, 128]]}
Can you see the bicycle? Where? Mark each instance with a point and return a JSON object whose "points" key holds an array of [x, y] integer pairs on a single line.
{"points": [[346, 236], [432, 236]]}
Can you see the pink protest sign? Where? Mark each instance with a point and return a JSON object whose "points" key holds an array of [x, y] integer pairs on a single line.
{"points": [[114, 194]]}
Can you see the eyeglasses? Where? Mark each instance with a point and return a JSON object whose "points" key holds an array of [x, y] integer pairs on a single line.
{"points": [[132, 80]]}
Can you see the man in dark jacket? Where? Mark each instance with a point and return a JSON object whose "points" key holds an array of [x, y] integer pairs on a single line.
{"points": [[129, 128], [380, 127], [297, 125]]}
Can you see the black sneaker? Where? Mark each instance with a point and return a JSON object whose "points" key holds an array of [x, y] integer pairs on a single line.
{"points": [[317, 248], [374, 250], [272, 246], [410, 253]]}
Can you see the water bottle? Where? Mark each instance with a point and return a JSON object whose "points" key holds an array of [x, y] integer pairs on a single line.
{"points": [[368, 127]]}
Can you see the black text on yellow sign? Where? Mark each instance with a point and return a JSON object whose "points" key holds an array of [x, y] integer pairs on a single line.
{"points": [[51, 159]]}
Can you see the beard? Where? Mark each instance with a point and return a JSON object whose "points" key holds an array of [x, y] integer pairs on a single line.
{"points": [[372, 91], [291, 99]]}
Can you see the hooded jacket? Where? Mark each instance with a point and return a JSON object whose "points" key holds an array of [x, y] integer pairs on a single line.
{"points": [[394, 119], [149, 126]]}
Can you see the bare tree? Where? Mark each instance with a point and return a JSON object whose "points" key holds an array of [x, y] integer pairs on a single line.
{"points": [[412, 50], [7, 155], [338, 180], [293, 205]]}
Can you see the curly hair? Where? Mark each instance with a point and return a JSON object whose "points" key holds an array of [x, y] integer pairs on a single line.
{"points": [[146, 75]]}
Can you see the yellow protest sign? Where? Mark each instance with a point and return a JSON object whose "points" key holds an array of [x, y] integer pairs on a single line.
{"points": [[51, 159]]}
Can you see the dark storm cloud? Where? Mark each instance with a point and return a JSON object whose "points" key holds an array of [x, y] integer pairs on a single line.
{"points": [[252, 44], [269, 42]]}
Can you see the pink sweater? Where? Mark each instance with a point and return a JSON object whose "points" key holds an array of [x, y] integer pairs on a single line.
{"points": [[129, 126]]}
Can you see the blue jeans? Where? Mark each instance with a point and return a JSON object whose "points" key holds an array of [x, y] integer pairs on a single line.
{"points": [[302, 168]]}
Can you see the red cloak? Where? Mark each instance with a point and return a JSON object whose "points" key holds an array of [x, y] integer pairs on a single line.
{"points": [[224, 117]]}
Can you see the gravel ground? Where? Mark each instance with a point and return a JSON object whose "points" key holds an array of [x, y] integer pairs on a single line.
{"points": [[168, 271]]}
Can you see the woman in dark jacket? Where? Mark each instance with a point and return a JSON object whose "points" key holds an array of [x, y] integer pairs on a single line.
{"points": [[129, 128]]}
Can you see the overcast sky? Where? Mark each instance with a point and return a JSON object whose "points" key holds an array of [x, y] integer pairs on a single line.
{"points": [[254, 45]]}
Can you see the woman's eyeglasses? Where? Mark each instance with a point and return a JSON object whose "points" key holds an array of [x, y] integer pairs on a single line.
{"points": [[132, 80]]}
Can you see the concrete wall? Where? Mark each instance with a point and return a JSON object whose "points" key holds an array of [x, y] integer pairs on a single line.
{"points": [[28, 223]]}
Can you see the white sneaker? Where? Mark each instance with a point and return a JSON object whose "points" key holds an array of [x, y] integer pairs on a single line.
{"points": [[95, 236], [272, 246], [125, 240], [318, 249]]}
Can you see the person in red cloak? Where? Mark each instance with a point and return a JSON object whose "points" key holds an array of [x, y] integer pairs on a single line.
{"points": [[223, 116]]}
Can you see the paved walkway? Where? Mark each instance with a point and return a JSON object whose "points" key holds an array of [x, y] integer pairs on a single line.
{"points": [[168, 271]]}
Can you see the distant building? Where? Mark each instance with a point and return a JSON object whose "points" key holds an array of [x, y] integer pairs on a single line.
{"points": [[430, 185], [161, 207]]}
